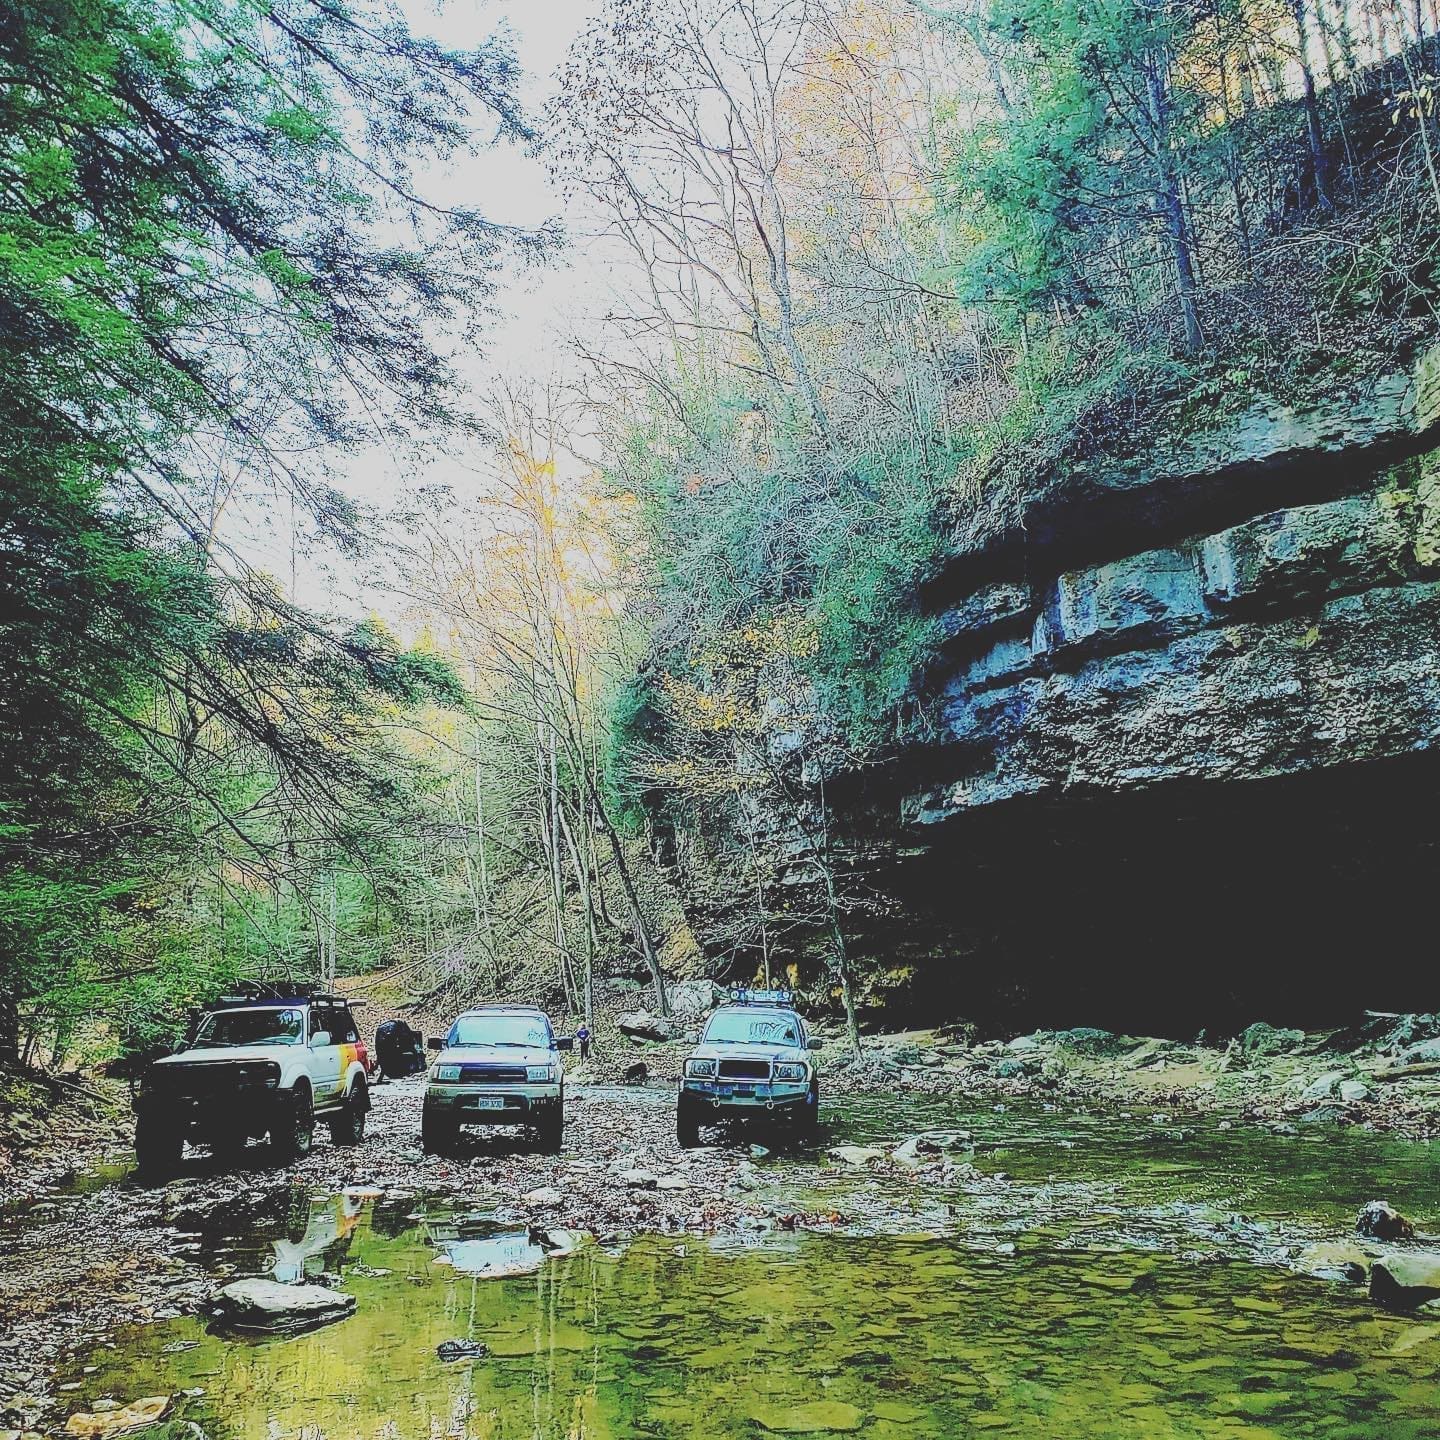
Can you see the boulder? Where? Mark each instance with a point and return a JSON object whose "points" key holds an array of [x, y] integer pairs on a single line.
{"points": [[1090, 1041], [544, 1197], [1405, 1280], [1323, 1086], [919, 1148], [637, 1179], [692, 998], [258, 1304], [641, 1025], [560, 1243], [1262, 1039], [1347, 1264], [460, 1349], [636, 1074], [1015, 1067], [1353, 1092], [1380, 1220], [96, 1424]]}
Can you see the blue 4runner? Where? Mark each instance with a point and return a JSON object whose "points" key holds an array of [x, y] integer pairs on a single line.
{"points": [[753, 1057]]}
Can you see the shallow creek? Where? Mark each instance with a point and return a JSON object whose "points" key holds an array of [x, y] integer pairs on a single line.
{"points": [[1102, 1292]]}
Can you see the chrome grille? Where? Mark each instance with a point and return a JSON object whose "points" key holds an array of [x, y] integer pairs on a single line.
{"points": [[203, 1078]]}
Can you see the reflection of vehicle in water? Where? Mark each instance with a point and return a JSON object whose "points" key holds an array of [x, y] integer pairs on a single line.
{"points": [[399, 1049], [327, 1230], [256, 1067], [499, 1065], [753, 1057]]}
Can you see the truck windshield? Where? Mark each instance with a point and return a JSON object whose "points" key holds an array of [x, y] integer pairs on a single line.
{"points": [[530, 1032], [251, 1027], [752, 1027]]}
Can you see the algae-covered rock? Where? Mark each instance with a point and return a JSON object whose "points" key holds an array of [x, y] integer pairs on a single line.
{"points": [[817, 1417], [1379, 1220], [1263, 1039], [1405, 1281], [97, 1424]]}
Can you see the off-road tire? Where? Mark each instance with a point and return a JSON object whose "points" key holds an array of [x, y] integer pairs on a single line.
{"points": [[293, 1135], [687, 1122], [551, 1130], [809, 1119], [158, 1148], [436, 1135], [229, 1149], [348, 1127]]}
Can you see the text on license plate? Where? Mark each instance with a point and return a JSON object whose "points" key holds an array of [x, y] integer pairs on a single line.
{"points": [[488, 1102]]}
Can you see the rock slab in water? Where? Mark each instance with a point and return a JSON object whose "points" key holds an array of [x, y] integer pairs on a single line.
{"points": [[856, 1155], [268, 1305], [1405, 1281], [460, 1349], [818, 1417], [93, 1425], [1382, 1221]]}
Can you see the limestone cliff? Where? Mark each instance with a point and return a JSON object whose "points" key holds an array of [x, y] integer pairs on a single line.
{"points": [[1176, 755]]}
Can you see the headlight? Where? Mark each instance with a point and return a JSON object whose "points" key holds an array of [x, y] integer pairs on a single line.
{"points": [[447, 1072], [536, 1073], [789, 1071], [696, 1069]]}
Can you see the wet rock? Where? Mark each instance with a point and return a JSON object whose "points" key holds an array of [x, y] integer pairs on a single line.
{"points": [[1405, 1281], [258, 1304], [1379, 1220], [460, 1349], [563, 1242], [1347, 1264], [919, 1148], [641, 1025], [857, 1156], [818, 1417], [98, 1423]]}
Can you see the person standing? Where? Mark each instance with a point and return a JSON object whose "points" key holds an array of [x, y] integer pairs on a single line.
{"points": [[582, 1038]]}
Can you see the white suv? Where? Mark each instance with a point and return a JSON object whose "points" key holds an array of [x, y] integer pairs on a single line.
{"points": [[256, 1067], [499, 1065]]}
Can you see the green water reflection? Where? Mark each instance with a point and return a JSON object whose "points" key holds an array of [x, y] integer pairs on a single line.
{"points": [[896, 1336]]}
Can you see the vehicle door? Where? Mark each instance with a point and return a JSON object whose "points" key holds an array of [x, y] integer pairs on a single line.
{"points": [[325, 1074]]}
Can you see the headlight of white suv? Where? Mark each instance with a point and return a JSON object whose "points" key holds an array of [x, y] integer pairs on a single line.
{"points": [[699, 1069], [789, 1071], [537, 1074], [445, 1073]]}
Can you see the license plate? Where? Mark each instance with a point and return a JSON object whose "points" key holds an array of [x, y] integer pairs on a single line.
{"points": [[488, 1102]]}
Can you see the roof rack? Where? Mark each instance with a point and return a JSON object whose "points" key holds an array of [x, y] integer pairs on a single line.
{"points": [[277, 992]]}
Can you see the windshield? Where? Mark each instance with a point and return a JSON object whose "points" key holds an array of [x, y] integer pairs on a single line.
{"points": [[530, 1032], [753, 1027], [252, 1027]]}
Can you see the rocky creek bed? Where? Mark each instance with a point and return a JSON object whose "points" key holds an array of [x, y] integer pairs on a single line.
{"points": [[1040, 1215]]}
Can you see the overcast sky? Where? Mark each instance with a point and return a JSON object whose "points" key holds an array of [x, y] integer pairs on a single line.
{"points": [[539, 306]]}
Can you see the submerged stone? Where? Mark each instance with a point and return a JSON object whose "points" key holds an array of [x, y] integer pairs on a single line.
{"points": [[258, 1304], [95, 1424], [815, 1417]]}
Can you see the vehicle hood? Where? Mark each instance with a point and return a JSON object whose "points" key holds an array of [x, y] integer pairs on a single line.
{"points": [[496, 1055], [226, 1052], [729, 1050]]}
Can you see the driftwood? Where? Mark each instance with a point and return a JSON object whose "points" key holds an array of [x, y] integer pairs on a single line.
{"points": [[1401, 1072]]}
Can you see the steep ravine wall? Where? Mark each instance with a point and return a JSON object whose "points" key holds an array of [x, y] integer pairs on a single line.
{"points": [[1178, 760]]}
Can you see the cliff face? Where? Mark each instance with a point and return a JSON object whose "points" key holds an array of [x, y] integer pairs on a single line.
{"points": [[1178, 758]]}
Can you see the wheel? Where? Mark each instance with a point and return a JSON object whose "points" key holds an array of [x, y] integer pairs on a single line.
{"points": [[294, 1133], [551, 1129], [809, 1121], [158, 1147], [436, 1135], [687, 1122], [348, 1127]]}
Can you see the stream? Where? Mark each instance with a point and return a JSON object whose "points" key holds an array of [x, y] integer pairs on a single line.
{"points": [[1129, 1279]]}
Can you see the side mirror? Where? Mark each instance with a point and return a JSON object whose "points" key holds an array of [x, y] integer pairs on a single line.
{"points": [[564, 1042], [435, 1042], [816, 1043], [320, 1039]]}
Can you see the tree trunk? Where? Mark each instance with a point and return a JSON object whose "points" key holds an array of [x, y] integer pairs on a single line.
{"points": [[1168, 203], [1315, 134]]}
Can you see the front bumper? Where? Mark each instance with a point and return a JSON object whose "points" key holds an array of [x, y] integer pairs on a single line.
{"points": [[253, 1111], [474, 1104], [748, 1094]]}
